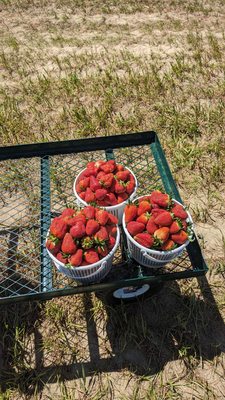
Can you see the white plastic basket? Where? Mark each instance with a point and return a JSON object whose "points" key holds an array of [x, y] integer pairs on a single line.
{"points": [[88, 273], [153, 258], [116, 210]]}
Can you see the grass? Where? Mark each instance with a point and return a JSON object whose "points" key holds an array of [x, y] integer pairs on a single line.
{"points": [[79, 69]]}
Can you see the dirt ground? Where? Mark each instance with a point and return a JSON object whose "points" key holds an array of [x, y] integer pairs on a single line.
{"points": [[78, 69]]}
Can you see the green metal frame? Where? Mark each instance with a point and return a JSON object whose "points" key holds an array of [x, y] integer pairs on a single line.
{"points": [[108, 144]]}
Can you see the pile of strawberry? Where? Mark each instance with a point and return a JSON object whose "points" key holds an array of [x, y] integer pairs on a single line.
{"points": [[105, 183], [156, 222], [83, 237]]}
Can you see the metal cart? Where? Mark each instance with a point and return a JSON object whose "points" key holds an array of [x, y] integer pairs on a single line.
{"points": [[36, 183]]}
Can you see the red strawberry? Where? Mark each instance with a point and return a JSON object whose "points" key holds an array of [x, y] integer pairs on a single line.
{"points": [[176, 226], [102, 217], [94, 184], [108, 167], [68, 212], [144, 239], [58, 227], [151, 226], [101, 235], [180, 237], [111, 199], [130, 212], [112, 230], [89, 212], [87, 242], [119, 167], [134, 227], [111, 242], [144, 198], [78, 230], [162, 199], [89, 196], [123, 175], [168, 245], [100, 194], [113, 220], [119, 188], [62, 258], [157, 211], [122, 197], [111, 189], [83, 184], [82, 195], [143, 218], [164, 219], [100, 175], [162, 234], [102, 203], [76, 259], [102, 250], [68, 245], [90, 171], [130, 187], [98, 163], [84, 263], [184, 224], [179, 211], [53, 244], [91, 164], [91, 256], [80, 217], [107, 180], [92, 227], [143, 207]]}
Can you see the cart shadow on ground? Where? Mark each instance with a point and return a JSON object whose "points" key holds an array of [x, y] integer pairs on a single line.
{"points": [[143, 335]]}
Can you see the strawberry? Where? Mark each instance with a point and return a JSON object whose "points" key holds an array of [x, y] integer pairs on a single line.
{"points": [[143, 207], [123, 175], [62, 258], [76, 259], [90, 171], [162, 234], [68, 212], [108, 167], [113, 220], [168, 245], [84, 263], [119, 187], [102, 235], [111, 242], [91, 256], [134, 227], [78, 230], [144, 218], [180, 237], [92, 227], [157, 211], [83, 184], [89, 212], [100, 175], [162, 199], [151, 226], [111, 188], [144, 198], [102, 217], [53, 244], [119, 167], [68, 245], [82, 195], [130, 212], [94, 184], [112, 230], [87, 242], [184, 224], [144, 239], [102, 203], [102, 250], [164, 219], [176, 226], [89, 196], [80, 217], [107, 180], [100, 194], [130, 187], [179, 211], [98, 163], [122, 197], [58, 227], [91, 164], [111, 199]]}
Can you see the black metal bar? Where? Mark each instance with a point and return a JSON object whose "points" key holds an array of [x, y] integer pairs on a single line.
{"points": [[76, 146]]}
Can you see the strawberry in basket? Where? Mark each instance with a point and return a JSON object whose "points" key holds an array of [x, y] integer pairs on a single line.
{"points": [[158, 222], [82, 237], [105, 183]]}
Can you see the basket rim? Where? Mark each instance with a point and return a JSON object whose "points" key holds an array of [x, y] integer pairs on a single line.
{"points": [[107, 208], [156, 252], [85, 267]]}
